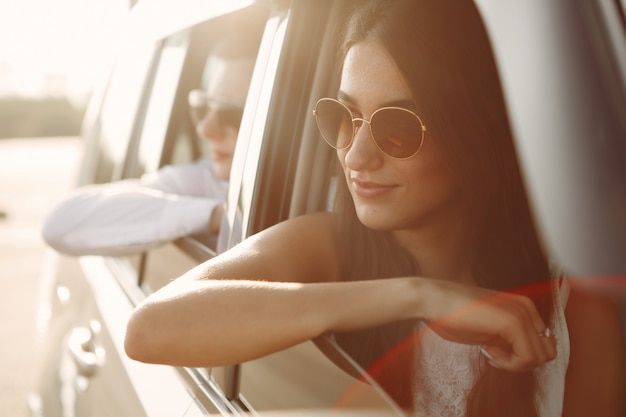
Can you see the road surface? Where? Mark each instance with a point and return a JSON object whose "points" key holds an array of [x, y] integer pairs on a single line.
{"points": [[34, 175]]}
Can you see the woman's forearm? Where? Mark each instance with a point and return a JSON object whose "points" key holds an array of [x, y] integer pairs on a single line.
{"points": [[216, 322]]}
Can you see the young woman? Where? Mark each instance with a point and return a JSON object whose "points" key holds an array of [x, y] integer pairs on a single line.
{"points": [[432, 225]]}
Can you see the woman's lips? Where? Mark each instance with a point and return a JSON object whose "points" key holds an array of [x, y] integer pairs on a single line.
{"points": [[368, 189]]}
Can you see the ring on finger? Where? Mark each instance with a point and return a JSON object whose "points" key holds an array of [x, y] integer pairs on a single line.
{"points": [[489, 357], [547, 332]]}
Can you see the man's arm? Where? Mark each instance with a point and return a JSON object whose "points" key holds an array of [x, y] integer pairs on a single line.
{"points": [[131, 216]]}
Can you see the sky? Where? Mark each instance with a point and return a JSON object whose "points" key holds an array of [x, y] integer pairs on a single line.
{"points": [[57, 46]]}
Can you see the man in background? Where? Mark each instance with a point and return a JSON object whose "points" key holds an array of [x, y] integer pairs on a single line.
{"points": [[134, 215]]}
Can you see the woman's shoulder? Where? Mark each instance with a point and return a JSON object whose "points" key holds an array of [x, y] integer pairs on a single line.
{"points": [[304, 244], [319, 225]]}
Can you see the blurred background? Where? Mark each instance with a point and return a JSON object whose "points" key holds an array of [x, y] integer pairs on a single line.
{"points": [[52, 53]]}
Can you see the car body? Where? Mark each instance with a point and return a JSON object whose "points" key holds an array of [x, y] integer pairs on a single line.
{"points": [[559, 61]]}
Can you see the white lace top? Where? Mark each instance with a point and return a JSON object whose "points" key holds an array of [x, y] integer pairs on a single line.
{"points": [[447, 371]]}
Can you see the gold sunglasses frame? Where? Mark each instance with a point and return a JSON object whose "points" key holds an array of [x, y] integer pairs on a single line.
{"points": [[356, 127]]}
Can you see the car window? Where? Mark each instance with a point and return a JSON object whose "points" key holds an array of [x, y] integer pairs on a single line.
{"points": [[187, 55], [163, 132], [113, 134], [119, 111], [161, 103], [144, 128]]}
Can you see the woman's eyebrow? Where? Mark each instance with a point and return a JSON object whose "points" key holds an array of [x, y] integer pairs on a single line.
{"points": [[404, 103], [345, 97]]}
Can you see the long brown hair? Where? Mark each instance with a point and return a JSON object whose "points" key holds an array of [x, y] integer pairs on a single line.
{"points": [[443, 51]]}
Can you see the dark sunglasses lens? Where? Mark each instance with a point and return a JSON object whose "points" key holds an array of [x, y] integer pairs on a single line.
{"points": [[397, 132], [334, 122], [225, 116], [198, 113]]}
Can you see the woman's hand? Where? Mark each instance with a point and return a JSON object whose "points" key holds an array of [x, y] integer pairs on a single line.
{"points": [[508, 326]]}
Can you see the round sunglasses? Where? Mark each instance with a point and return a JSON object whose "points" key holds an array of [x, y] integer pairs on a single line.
{"points": [[226, 114], [397, 132]]}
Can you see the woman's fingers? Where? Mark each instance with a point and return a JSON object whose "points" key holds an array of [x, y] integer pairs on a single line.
{"points": [[508, 326], [527, 349]]}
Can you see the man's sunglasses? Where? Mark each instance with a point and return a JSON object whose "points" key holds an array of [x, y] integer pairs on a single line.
{"points": [[396, 131], [226, 114]]}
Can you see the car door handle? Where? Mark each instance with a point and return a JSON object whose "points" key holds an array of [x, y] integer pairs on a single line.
{"points": [[86, 349]]}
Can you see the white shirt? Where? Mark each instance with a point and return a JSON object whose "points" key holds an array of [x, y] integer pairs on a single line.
{"points": [[131, 216]]}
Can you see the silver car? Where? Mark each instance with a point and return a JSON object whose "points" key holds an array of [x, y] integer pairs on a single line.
{"points": [[563, 68]]}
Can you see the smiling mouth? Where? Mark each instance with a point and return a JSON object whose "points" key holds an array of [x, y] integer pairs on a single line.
{"points": [[369, 189]]}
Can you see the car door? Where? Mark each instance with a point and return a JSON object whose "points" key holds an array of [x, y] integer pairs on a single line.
{"points": [[137, 122]]}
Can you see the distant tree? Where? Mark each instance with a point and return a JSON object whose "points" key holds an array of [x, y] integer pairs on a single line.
{"points": [[24, 117]]}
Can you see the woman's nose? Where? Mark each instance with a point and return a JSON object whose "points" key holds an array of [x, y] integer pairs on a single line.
{"points": [[363, 152]]}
